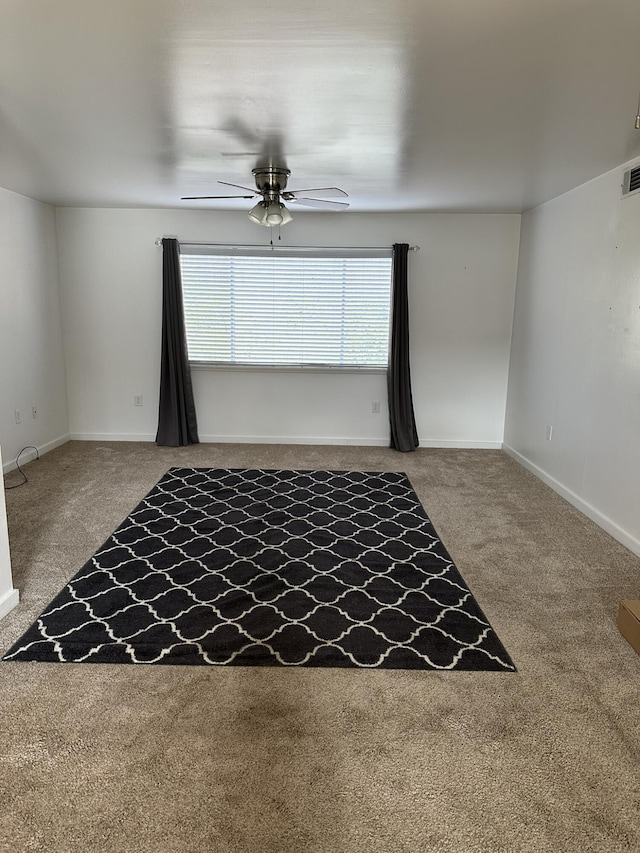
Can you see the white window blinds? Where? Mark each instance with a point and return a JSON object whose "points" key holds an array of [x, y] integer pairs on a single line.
{"points": [[306, 309]]}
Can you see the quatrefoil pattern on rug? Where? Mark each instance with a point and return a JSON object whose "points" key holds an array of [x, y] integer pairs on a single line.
{"points": [[257, 567]]}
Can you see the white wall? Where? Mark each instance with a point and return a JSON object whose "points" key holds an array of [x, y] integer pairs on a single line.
{"points": [[8, 595], [575, 359], [461, 300], [31, 352]]}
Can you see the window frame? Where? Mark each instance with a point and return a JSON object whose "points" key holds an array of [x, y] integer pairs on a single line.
{"points": [[309, 252]]}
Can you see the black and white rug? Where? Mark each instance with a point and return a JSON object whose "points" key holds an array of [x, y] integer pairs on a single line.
{"points": [[254, 567]]}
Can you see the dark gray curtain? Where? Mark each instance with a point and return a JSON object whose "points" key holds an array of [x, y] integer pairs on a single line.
{"points": [[177, 423], [404, 436]]}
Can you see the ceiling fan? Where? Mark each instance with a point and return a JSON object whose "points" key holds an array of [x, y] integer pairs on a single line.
{"points": [[271, 183]]}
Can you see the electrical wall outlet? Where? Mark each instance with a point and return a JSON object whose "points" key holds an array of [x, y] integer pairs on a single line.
{"points": [[137, 399], [375, 407], [18, 416], [549, 432]]}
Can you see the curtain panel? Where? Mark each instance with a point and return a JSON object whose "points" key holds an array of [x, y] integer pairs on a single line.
{"points": [[177, 423], [404, 435]]}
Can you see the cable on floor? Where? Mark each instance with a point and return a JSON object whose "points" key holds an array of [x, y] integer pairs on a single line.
{"points": [[24, 476]]}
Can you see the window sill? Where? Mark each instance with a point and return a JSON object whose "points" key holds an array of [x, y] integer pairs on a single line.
{"points": [[290, 368]]}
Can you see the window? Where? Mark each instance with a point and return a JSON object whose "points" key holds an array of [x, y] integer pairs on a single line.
{"points": [[304, 308]]}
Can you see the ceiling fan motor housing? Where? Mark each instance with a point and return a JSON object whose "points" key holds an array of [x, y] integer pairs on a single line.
{"points": [[271, 182]]}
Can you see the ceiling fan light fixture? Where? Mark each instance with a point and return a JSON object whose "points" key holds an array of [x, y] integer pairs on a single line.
{"points": [[277, 214], [269, 214], [274, 216], [258, 214]]}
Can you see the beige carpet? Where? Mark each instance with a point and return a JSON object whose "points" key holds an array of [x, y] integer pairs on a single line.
{"points": [[126, 759]]}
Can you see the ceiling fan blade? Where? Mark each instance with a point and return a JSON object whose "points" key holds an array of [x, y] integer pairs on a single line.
{"points": [[239, 186], [196, 197], [319, 202], [330, 191]]}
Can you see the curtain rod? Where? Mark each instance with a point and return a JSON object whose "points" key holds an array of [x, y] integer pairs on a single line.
{"points": [[158, 242]]}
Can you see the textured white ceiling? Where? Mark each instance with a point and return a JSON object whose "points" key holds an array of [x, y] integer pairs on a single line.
{"points": [[408, 105]]}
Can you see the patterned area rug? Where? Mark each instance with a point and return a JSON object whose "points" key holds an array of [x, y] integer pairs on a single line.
{"points": [[252, 567]]}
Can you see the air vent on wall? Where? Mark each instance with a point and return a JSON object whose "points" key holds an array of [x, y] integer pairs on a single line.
{"points": [[631, 182]]}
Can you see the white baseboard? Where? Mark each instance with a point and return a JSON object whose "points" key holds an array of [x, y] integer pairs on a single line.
{"points": [[8, 601], [112, 436], [291, 439], [461, 445], [231, 439], [575, 500], [342, 440], [30, 454]]}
